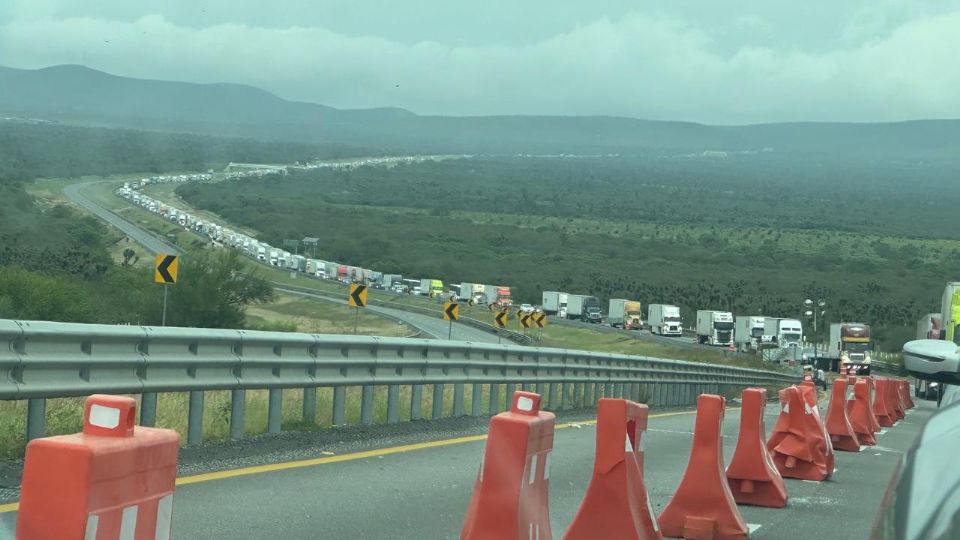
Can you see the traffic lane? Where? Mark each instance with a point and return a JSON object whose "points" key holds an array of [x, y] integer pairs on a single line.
{"points": [[145, 239], [440, 328], [425, 493]]}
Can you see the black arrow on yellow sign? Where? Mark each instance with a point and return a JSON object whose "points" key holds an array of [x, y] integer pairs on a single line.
{"points": [[451, 311], [540, 319], [166, 268], [358, 295], [501, 318], [525, 320]]}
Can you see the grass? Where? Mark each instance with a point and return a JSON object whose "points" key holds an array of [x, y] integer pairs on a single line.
{"points": [[317, 317]]}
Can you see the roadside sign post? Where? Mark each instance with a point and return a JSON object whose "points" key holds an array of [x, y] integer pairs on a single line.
{"points": [[165, 270], [451, 312], [500, 321], [358, 299], [540, 319]]}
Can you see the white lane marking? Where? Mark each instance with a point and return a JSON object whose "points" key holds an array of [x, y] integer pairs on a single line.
{"points": [[128, 523], [752, 527], [671, 431], [885, 449], [91, 531], [164, 517]]}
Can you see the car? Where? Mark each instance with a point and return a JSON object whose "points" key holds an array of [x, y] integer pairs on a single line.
{"points": [[526, 308]]}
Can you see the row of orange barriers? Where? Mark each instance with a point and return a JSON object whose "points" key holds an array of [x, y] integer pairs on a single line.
{"points": [[510, 496]]}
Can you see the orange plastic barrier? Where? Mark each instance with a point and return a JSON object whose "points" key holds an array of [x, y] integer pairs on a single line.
{"points": [[842, 435], [812, 398], [860, 414], [616, 503], [509, 498], [798, 445], [905, 391], [703, 507], [113, 480], [752, 475], [871, 398], [899, 403], [882, 408]]}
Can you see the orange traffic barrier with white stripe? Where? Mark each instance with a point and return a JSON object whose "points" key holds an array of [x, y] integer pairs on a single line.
{"points": [[113, 481], [871, 398], [703, 508], [752, 475], [907, 400], [842, 435], [860, 413], [616, 503], [899, 404], [797, 443], [510, 500]]}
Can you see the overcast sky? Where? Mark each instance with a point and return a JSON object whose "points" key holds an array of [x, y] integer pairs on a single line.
{"points": [[714, 61]]}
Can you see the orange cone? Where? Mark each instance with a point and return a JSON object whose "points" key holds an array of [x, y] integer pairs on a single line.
{"points": [[616, 503], [752, 475], [703, 507], [798, 445], [842, 435], [859, 413]]}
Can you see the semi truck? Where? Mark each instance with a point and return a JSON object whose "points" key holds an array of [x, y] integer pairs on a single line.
{"points": [[784, 332], [714, 327], [950, 312], [850, 348], [584, 308], [392, 281], [664, 320], [748, 333], [929, 326], [624, 314], [497, 295], [555, 303], [471, 292], [431, 287]]}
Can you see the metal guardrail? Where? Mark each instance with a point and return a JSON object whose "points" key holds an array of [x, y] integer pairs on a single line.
{"points": [[44, 360]]}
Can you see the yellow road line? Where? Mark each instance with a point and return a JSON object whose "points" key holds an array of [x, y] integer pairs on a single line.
{"points": [[273, 467]]}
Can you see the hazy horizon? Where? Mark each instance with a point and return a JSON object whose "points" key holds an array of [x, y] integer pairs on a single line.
{"points": [[726, 63]]}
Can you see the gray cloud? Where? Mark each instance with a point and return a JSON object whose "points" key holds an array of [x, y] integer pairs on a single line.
{"points": [[716, 64]]}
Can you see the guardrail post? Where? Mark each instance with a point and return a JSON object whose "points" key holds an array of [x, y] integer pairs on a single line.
{"points": [[554, 396], [238, 413], [366, 405], [635, 392], [494, 404], [275, 410], [542, 390], [393, 404], [148, 409], [195, 418], [458, 399], [36, 418], [587, 400], [310, 405], [510, 389], [339, 405], [476, 400], [437, 402], [656, 397], [416, 402], [566, 398], [577, 395]]}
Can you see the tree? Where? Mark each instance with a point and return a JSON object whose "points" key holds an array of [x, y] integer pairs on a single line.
{"points": [[214, 289]]}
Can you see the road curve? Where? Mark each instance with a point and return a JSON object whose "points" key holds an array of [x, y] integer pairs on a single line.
{"points": [[150, 242]]}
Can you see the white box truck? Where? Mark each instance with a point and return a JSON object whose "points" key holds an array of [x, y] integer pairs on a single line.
{"points": [[748, 333], [714, 327], [624, 314], [664, 320], [784, 332], [555, 303]]}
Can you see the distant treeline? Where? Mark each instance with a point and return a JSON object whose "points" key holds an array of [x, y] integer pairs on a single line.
{"points": [[565, 224]]}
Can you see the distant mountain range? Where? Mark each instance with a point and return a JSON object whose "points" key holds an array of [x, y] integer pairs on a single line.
{"points": [[82, 95]]}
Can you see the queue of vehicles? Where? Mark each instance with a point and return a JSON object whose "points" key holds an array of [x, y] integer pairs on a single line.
{"points": [[716, 328], [934, 357]]}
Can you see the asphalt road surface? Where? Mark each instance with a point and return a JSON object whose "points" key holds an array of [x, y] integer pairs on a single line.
{"points": [[423, 492], [74, 192]]}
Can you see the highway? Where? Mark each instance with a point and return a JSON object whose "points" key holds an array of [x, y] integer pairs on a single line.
{"points": [[434, 327], [421, 490], [142, 237]]}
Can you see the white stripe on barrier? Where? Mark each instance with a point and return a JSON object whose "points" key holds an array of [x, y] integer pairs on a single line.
{"points": [[533, 469], [627, 447], [105, 417], [90, 533], [164, 517], [546, 467], [128, 523]]}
